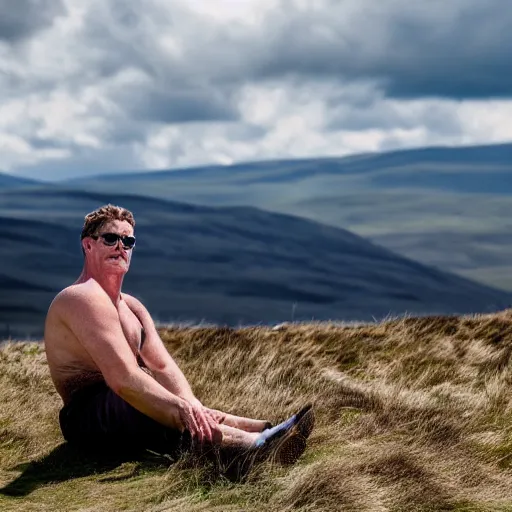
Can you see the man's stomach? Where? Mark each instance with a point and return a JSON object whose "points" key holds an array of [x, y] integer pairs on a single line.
{"points": [[67, 383]]}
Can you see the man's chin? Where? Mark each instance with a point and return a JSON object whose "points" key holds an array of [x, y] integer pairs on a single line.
{"points": [[117, 267]]}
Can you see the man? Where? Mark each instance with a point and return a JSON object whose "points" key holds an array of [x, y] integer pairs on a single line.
{"points": [[119, 384]]}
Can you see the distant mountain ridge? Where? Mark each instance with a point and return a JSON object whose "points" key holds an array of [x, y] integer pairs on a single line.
{"points": [[447, 207], [10, 181], [495, 155], [237, 265]]}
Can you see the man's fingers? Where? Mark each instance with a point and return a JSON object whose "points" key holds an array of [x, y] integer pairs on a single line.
{"points": [[210, 418], [217, 416], [200, 429], [216, 431], [212, 424], [193, 425], [207, 431], [203, 424]]}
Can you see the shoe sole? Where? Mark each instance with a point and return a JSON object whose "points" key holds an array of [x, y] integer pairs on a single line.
{"points": [[293, 445], [290, 448], [306, 421], [285, 450]]}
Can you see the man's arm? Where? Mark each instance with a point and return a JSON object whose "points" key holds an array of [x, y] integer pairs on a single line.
{"points": [[94, 320], [162, 365], [157, 358]]}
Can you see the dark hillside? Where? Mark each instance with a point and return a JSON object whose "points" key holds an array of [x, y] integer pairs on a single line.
{"points": [[219, 265]]}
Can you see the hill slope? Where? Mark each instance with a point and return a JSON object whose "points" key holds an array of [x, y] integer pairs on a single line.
{"points": [[411, 415], [9, 181], [221, 265], [448, 207]]}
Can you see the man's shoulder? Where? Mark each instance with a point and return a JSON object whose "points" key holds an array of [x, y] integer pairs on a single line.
{"points": [[133, 302], [139, 309], [77, 293]]}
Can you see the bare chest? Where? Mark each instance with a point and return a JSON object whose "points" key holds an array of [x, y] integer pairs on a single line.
{"points": [[132, 327]]}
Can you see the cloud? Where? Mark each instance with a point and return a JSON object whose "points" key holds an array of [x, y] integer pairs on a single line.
{"points": [[187, 82], [153, 101], [21, 18], [456, 49], [282, 119]]}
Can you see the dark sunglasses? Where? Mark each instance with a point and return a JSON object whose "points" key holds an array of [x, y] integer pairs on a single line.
{"points": [[111, 239]]}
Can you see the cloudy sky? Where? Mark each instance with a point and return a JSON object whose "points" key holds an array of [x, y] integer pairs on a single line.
{"points": [[109, 85]]}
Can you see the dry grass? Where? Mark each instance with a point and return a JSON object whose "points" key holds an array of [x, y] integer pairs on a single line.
{"points": [[412, 415]]}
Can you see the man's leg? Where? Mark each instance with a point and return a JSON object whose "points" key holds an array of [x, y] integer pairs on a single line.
{"points": [[304, 418], [232, 436], [239, 422], [98, 418], [240, 450]]}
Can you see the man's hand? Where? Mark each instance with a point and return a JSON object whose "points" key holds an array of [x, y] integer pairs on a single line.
{"points": [[218, 416], [199, 422]]}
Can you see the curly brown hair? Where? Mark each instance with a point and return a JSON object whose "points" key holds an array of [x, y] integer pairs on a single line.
{"points": [[96, 219]]}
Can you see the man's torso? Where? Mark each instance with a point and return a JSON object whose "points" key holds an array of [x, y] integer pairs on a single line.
{"points": [[71, 367]]}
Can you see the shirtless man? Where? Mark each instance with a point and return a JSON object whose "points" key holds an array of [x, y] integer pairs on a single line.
{"points": [[119, 384]]}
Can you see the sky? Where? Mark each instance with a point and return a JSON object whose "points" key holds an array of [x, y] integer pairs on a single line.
{"points": [[110, 85]]}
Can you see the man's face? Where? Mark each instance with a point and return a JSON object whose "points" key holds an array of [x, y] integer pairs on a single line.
{"points": [[114, 259]]}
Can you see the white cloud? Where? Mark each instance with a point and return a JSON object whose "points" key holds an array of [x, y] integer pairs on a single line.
{"points": [[16, 151], [193, 82], [486, 120], [308, 120]]}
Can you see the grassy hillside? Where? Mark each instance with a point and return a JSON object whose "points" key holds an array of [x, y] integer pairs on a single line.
{"points": [[448, 207], [412, 415]]}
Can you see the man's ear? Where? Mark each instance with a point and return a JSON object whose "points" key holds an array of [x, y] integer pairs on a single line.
{"points": [[86, 244]]}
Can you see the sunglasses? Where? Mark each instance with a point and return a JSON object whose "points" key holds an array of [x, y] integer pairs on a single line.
{"points": [[111, 239]]}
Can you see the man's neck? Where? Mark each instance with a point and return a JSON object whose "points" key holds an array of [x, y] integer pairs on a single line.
{"points": [[111, 283]]}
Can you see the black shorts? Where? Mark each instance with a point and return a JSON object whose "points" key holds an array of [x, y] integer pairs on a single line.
{"points": [[98, 418]]}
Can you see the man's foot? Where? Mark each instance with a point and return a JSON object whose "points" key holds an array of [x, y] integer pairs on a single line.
{"points": [[304, 420], [286, 442], [289, 448], [294, 445], [284, 447]]}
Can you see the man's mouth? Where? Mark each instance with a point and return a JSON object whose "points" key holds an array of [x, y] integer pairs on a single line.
{"points": [[115, 258]]}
